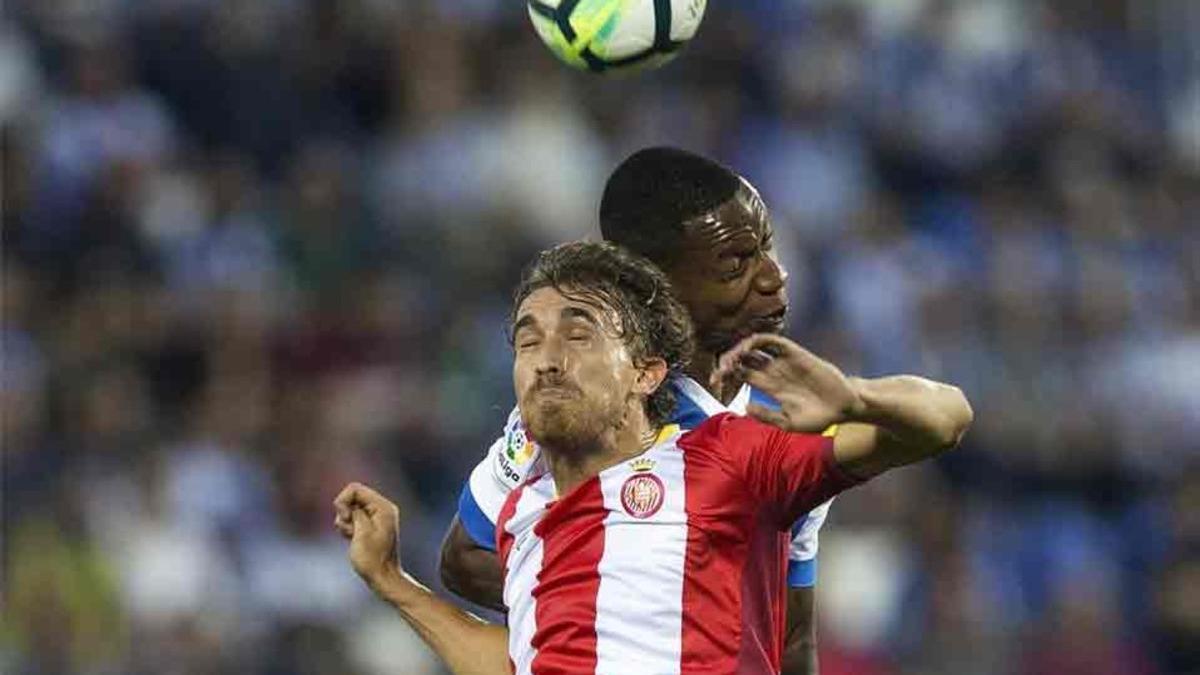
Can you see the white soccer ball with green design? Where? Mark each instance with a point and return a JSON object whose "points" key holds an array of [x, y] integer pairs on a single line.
{"points": [[613, 35]]}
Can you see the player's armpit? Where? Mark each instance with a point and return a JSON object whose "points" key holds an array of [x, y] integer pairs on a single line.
{"points": [[800, 649], [469, 571]]}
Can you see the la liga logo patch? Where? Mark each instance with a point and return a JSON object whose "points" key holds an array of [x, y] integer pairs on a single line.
{"points": [[642, 495], [518, 446]]}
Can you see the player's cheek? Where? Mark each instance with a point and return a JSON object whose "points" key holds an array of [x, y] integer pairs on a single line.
{"points": [[520, 375], [735, 307]]}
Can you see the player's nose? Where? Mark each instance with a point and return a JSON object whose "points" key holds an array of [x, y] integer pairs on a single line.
{"points": [[770, 276], [550, 357]]}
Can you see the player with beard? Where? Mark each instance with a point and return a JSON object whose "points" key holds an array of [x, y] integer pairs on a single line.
{"points": [[629, 549], [709, 230]]}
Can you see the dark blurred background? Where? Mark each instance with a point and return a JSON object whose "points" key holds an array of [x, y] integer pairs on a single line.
{"points": [[255, 248]]}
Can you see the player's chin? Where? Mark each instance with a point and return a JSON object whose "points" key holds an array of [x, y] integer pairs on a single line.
{"points": [[723, 342], [772, 323], [551, 418]]}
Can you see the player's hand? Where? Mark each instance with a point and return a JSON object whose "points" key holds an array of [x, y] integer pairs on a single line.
{"points": [[812, 392], [371, 523]]}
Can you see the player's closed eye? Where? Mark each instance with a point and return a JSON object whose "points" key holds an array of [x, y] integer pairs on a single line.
{"points": [[526, 340], [733, 268]]}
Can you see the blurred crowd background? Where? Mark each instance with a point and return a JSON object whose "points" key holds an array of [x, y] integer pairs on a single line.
{"points": [[253, 249]]}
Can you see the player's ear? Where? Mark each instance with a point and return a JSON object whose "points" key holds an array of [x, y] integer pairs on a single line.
{"points": [[651, 374]]}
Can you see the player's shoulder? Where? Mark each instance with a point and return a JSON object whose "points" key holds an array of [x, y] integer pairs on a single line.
{"points": [[721, 426], [730, 435], [708, 430], [513, 454], [721, 436], [714, 467]]}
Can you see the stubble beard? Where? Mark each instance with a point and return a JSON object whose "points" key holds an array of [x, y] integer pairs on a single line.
{"points": [[572, 429]]}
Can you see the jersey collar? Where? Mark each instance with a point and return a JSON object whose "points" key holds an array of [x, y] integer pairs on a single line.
{"points": [[708, 404]]}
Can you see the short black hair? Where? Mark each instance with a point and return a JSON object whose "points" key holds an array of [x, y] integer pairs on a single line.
{"points": [[654, 192], [653, 323]]}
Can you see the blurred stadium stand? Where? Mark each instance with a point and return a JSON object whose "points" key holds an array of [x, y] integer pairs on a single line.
{"points": [[255, 248]]}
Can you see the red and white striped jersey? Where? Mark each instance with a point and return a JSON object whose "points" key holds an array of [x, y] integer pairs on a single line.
{"points": [[672, 562]]}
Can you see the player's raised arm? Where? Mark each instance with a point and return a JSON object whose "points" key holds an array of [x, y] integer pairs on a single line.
{"points": [[468, 645], [882, 423], [469, 565]]}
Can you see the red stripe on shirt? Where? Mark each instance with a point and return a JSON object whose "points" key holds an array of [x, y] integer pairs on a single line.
{"points": [[712, 626], [572, 534]]}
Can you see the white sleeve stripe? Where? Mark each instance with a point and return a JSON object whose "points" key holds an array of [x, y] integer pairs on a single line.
{"points": [[805, 538]]}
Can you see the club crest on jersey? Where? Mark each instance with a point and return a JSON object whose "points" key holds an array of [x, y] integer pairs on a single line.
{"points": [[517, 446], [642, 495]]}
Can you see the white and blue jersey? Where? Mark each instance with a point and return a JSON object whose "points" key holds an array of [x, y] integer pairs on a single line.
{"points": [[510, 458]]}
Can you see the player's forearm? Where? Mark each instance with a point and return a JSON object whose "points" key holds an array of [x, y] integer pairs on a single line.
{"points": [[469, 571], [800, 649], [467, 644], [800, 658], [920, 417]]}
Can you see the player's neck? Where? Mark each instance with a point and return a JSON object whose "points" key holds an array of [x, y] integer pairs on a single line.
{"points": [[701, 368], [572, 467]]}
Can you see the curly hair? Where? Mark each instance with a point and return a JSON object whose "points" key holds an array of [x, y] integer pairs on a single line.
{"points": [[652, 322]]}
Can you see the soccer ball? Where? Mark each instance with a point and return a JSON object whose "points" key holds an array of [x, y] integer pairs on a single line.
{"points": [[609, 35]]}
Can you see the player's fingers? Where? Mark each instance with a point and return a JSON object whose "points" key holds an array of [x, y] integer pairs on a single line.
{"points": [[734, 354], [757, 352], [775, 345], [765, 379], [755, 359], [764, 414], [357, 495], [362, 520], [724, 369], [731, 364], [344, 528], [758, 341], [373, 502], [726, 360], [345, 500], [340, 511], [724, 376]]}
